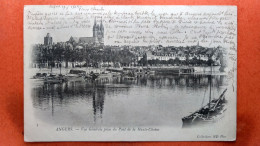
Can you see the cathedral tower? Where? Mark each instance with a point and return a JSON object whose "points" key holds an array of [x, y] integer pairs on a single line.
{"points": [[101, 32], [95, 32], [48, 40], [98, 33]]}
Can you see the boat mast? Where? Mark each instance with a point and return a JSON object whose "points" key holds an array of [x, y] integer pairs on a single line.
{"points": [[51, 59], [210, 84], [210, 87], [60, 66]]}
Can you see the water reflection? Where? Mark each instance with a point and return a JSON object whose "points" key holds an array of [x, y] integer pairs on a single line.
{"points": [[148, 96]]}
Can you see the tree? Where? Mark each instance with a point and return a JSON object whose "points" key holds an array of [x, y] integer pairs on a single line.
{"points": [[163, 62], [58, 53], [194, 61], [210, 62], [144, 61], [67, 55], [157, 62], [72, 57], [171, 61], [177, 61], [80, 55]]}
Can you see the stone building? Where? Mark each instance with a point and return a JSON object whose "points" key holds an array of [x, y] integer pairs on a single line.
{"points": [[48, 40], [97, 39]]}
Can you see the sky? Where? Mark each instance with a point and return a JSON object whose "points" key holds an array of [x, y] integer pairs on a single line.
{"points": [[90, 12]]}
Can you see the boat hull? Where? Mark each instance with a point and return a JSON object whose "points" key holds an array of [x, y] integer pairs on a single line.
{"points": [[210, 113]]}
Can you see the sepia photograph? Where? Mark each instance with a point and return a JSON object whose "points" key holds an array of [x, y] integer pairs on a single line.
{"points": [[130, 73]]}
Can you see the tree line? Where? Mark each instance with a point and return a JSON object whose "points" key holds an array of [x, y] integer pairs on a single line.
{"points": [[92, 56], [193, 62]]}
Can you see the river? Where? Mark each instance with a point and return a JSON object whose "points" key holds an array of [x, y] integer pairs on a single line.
{"points": [[147, 101]]}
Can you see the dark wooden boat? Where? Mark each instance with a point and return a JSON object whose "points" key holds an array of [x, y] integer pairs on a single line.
{"points": [[40, 76], [210, 113], [52, 79]]}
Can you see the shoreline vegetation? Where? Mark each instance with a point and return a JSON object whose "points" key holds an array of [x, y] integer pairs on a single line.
{"points": [[96, 60], [71, 54]]}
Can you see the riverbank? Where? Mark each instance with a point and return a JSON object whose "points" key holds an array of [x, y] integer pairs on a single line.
{"points": [[65, 71], [196, 70]]}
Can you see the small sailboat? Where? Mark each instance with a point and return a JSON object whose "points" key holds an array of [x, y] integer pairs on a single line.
{"points": [[210, 113]]}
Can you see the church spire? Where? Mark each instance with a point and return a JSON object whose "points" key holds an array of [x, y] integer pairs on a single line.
{"points": [[94, 28], [101, 25], [95, 23]]}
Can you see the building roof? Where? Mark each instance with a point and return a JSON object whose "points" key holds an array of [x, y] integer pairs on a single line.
{"points": [[86, 39], [149, 53], [81, 39], [74, 39]]}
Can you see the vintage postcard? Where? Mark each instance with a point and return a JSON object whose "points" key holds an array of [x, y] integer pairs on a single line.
{"points": [[130, 73]]}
